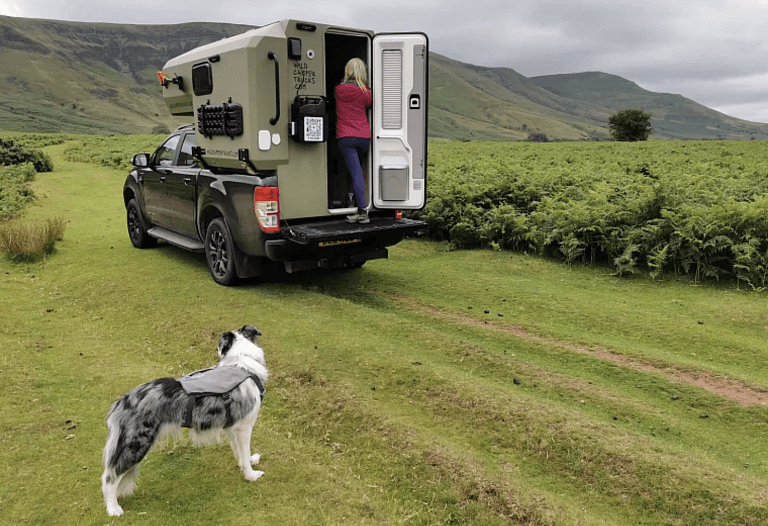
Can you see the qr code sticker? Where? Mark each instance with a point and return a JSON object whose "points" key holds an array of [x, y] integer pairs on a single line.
{"points": [[313, 129]]}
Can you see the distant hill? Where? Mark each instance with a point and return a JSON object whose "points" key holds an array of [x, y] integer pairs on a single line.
{"points": [[673, 115], [100, 78], [90, 78]]}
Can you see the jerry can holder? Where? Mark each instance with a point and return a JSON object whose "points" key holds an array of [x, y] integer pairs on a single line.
{"points": [[309, 119]]}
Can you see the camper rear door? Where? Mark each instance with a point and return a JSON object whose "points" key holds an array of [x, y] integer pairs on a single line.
{"points": [[400, 68]]}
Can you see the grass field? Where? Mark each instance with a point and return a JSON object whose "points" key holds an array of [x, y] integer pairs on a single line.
{"points": [[437, 387]]}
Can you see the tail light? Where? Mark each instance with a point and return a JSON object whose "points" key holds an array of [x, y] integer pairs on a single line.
{"points": [[398, 214], [266, 203]]}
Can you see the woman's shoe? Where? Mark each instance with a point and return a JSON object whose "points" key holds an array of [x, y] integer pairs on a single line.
{"points": [[360, 217]]}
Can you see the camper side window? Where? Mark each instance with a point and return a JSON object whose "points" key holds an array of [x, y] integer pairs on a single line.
{"points": [[167, 152], [202, 79]]}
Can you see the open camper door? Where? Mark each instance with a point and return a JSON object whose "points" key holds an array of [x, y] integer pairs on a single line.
{"points": [[399, 146]]}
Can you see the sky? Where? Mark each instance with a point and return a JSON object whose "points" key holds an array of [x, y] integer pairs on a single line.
{"points": [[714, 52]]}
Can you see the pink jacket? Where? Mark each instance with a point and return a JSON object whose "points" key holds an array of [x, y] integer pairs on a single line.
{"points": [[351, 117]]}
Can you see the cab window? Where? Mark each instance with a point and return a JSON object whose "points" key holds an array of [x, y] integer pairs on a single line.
{"points": [[185, 154], [165, 155]]}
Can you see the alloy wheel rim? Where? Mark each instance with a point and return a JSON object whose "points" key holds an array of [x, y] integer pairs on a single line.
{"points": [[134, 228], [219, 255]]}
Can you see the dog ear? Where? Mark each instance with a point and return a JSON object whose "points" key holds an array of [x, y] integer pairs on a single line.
{"points": [[250, 332], [225, 343]]}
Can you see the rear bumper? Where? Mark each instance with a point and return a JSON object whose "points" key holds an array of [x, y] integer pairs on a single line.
{"points": [[336, 243]]}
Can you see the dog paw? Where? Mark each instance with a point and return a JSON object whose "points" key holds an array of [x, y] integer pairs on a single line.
{"points": [[253, 475], [114, 511], [255, 459]]}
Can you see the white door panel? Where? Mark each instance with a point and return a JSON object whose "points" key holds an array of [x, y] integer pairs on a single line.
{"points": [[399, 120]]}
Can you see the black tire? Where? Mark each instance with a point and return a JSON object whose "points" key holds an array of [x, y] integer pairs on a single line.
{"points": [[220, 253], [136, 229]]}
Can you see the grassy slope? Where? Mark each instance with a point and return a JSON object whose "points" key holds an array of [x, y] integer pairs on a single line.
{"points": [[468, 102], [391, 401], [88, 77]]}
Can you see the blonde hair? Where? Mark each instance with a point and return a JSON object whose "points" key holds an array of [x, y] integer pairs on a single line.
{"points": [[355, 72]]}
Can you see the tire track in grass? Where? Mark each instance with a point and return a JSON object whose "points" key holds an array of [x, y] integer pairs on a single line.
{"points": [[729, 388]]}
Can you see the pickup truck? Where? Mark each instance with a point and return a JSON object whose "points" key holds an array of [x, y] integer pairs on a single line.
{"points": [[259, 176], [234, 218]]}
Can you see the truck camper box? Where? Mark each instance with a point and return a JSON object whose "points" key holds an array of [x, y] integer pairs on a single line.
{"points": [[263, 105]]}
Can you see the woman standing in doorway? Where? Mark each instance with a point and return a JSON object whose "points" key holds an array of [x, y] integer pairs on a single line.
{"points": [[353, 98]]}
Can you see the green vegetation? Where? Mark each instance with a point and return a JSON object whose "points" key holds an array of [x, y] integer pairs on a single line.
{"points": [[693, 208], [23, 241], [437, 387], [630, 125], [12, 153], [114, 152], [15, 192]]}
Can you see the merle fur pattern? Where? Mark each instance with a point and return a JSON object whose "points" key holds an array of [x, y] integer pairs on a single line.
{"points": [[138, 418]]}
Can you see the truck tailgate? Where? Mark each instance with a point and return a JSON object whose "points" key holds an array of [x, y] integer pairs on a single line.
{"points": [[329, 232]]}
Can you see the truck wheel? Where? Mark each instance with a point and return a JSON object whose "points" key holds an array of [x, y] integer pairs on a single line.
{"points": [[220, 253], [136, 230]]}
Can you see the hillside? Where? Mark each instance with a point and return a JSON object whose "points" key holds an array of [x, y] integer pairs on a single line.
{"points": [[90, 78], [673, 115], [100, 78]]}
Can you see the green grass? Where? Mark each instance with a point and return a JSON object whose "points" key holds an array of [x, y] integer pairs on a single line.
{"points": [[392, 398], [24, 241]]}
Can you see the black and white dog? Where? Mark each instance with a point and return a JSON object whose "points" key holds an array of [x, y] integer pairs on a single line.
{"points": [[225, 398]]}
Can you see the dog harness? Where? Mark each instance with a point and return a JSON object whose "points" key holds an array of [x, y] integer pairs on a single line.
{"points": [[216, 381]]}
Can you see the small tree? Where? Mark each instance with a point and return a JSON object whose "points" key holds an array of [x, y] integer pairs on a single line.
{"points": [[630, 125]]}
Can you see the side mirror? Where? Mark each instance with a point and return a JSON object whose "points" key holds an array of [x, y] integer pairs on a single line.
{"points": [[140, 160]]}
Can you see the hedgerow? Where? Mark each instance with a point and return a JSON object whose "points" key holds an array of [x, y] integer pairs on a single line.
{"points": [[113, 152], [15, 193], [20, 161], [14, 153], [698, 208]]}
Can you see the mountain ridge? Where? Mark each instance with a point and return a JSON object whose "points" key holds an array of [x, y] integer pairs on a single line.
{"points": [[83, 77]]}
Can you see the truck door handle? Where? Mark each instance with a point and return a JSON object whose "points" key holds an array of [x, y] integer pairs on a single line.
{"points": [[187, 181], [162, 178], [276, 118]]}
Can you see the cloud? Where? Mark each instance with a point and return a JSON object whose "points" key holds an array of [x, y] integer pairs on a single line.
{"points": [[11, 8]]}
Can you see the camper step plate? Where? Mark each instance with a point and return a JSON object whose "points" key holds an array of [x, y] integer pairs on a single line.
{"points": [[338, 230]]}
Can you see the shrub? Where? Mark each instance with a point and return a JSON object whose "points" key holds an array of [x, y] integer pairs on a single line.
{"points": [[537, 137], [12, 153], [15, 193], [630, 125], [26, 241]]}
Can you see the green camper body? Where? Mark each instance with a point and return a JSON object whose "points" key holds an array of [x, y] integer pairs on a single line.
{"points": [[263, 104]]}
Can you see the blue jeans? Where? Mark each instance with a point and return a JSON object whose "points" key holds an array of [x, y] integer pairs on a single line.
{"points": [[353, 149]]}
